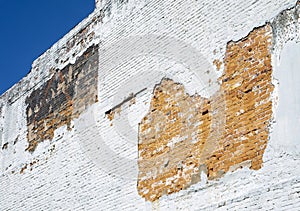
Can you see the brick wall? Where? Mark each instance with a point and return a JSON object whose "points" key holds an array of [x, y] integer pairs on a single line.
{"points": [[177, 138], [156, 105]]}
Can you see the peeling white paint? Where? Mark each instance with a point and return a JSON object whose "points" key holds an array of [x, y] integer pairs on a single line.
{"points": [[94, 166]]}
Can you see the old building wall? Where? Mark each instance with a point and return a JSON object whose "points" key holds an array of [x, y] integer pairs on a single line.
{"points": [[158, 105], [176, 138]]}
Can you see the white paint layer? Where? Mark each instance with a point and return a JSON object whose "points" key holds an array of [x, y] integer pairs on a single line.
{"points": [[94, 166], [286, 130]]}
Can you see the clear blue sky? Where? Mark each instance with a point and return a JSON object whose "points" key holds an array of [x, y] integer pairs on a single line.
{"points": [[29, 28]]}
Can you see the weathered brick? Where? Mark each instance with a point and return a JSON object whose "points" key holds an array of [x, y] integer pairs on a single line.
{"points": [[64, 97], [188, 119]]}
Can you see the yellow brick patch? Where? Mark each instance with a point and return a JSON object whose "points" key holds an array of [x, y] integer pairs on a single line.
{"points": [[183, 134]]}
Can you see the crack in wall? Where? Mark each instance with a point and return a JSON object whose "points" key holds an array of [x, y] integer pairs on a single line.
{"points": [[110, 113]]}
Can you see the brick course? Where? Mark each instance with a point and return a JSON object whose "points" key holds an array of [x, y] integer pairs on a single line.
{"points": [[177, 138]]}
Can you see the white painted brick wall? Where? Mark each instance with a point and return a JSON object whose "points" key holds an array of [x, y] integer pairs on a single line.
{"points": [[94, 166]]}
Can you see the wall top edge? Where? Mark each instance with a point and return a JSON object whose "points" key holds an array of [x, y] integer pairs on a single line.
{"points": [[54, 49]]}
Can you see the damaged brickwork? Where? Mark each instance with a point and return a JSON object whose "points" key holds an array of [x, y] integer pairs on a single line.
{"points": [[110, 114], [178, 138], [64, 97]]}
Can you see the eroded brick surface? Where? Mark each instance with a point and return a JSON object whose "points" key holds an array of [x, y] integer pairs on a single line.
{"points": [[171, 137], [183, 134], [62, 98]]}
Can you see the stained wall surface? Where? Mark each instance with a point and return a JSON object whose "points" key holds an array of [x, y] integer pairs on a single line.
{"points": [[159, 105]]}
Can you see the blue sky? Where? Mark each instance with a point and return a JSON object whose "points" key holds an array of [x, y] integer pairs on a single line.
{"points": [[29, 28]]}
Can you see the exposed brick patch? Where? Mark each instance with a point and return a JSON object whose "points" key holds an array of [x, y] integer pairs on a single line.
{"points": [[171, 137], [64, 97], [179, 137], [23, 169], [217, 63]]}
